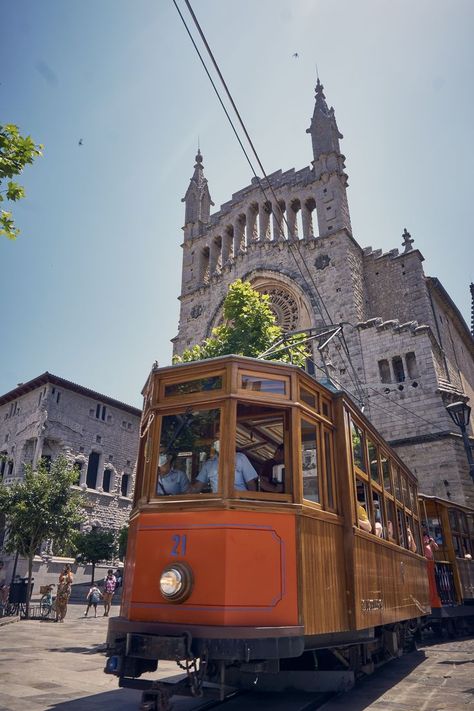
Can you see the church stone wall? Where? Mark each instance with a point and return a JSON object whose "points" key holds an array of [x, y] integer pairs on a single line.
{"points": [[395, 287]]}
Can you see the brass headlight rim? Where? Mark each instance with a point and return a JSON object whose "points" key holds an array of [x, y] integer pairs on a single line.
{"points": [[187, 582]]}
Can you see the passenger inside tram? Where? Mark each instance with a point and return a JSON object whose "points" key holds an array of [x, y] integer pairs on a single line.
{"points": [[273, 471], [362, 516], [245, 475]]}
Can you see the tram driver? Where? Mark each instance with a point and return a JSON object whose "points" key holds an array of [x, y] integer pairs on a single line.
{"points": [[170, 480], [245, 475]]}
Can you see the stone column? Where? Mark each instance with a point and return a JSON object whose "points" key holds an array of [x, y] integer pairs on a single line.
{"points": [[227, 240], [251, 220], [38, 450], [278, 234], [307, 221], [292, 226], [264, 223], [213, 256], [239, 234]]}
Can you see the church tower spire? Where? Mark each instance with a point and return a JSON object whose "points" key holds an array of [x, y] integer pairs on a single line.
{"points": [[324, 131], [197, 201], [328, 167]]}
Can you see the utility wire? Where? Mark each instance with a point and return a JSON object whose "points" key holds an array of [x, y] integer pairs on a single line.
{"points": [[281, 217]]}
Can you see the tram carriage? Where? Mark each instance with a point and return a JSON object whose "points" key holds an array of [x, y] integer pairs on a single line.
{"points": [[451, 571], [239, 583]]}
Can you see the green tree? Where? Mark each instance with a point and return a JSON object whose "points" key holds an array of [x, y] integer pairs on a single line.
{"points": [[122, 542], [94, 547], [249, 329], [16, 151], [38, 507]]}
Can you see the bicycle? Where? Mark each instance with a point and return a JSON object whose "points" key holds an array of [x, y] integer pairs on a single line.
{"points": [[47, 602]]}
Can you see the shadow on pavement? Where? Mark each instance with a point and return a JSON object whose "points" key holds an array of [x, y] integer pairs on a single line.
{"points": [[94, 649], [116, 700], [369, 689]]}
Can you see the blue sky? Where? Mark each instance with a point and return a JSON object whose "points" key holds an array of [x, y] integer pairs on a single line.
{"points": [[89, 290]]}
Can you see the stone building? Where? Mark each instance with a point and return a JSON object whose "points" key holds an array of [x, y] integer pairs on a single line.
{"points": [[400, 345], [48, 416]]}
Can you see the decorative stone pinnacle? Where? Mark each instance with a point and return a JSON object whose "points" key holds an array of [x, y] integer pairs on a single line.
{"points": [[199, 156], [407, 241]]}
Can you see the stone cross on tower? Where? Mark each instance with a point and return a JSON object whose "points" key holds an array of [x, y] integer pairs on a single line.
{"points": [[407, 241]]}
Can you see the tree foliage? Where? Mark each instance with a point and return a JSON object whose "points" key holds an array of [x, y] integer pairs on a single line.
{"points": [[122, 542], [39, 507], [16, 151], [249, 329], [96, 546]]}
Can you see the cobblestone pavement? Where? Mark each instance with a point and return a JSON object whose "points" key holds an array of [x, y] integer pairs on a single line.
{"points": [[44, 665]]}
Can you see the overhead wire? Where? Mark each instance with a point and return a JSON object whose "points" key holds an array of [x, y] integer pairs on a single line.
{"points": [[354, 377]]}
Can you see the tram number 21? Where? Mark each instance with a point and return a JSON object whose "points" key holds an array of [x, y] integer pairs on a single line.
{"points": [[179, 545]]}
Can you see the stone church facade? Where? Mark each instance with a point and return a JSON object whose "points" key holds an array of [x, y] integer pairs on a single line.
{"points": [[49, 416], [402, 349]]}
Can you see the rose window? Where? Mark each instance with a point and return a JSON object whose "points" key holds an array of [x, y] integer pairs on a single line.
{"points": [[284, 306]]}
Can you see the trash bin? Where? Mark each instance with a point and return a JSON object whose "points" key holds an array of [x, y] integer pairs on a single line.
{"points": [[18, 591]]}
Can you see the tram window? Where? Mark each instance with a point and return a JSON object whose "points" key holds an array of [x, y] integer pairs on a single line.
{"points": [[363, 520], [413, 506], [328, 455], [189, 441], [357, 436], [260, 445], [453, 519], [308, 398], [309, 459], [433, 526], [390, 532], [406, 495], [470, 522], [326, 408], [416, 533], [379, 516], [401, 528], [398, 488], [463, 522], [373, 462], [411, 538], [457, 546], [260, 384], [387, 484], [194, 386]]}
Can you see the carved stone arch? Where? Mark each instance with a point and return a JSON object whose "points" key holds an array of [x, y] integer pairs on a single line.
{"points": [[290, 305]]}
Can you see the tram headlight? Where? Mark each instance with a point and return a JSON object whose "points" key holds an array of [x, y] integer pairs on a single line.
{"points": [[176, 582]]}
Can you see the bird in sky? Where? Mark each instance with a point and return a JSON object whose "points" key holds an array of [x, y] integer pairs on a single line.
{"points": [[295, 55], [80, 142]]}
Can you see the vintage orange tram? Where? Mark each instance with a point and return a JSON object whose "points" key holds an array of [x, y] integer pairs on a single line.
{"points": [[273, 530], [449, 532]]}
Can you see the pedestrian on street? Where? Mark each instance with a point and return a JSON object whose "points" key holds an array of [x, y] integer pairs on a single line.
{"points": [[110, 583], [93, 598], [64, 591]]}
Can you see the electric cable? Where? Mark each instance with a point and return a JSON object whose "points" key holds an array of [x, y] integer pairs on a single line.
{"points": [[354, 377]]}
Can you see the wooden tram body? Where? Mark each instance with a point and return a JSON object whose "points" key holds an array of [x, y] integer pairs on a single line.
{"points": [[266, 575]]}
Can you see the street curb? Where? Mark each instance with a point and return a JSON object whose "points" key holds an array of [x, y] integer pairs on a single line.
{"points": [[9, 620]]}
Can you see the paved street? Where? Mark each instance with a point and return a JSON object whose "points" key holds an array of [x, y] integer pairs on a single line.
{"points": [[44, 665]]}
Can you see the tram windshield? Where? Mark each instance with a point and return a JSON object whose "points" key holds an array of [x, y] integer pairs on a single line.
{"points": [[189, 442], [191, 448]]}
